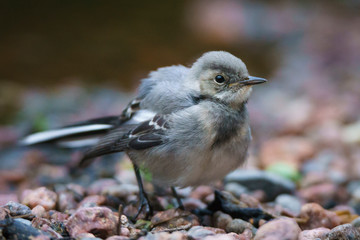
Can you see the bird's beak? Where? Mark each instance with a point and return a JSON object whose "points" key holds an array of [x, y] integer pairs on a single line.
{"points": [[253, 80]]}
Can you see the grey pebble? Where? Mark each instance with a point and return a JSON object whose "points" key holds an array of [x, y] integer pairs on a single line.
{"points": [[239, 226], [199, 232], [289, 202], [272, 184], [17, 209], [235, 188]]}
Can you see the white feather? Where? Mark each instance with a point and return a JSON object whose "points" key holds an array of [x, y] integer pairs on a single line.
{"points": [[53, 134], [141, 116], [79, 143]]}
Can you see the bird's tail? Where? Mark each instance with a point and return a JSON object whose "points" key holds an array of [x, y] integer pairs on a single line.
{"points": [[77, 135]]}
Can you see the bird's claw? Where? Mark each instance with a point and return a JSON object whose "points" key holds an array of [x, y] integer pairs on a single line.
{"points": [[144, 204]]}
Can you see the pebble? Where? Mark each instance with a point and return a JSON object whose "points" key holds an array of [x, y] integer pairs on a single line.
{"points": [[226, 236], [98, 220], [313, 233], [281, 228], [343, 232], [78, 190], [45, 226], [66, 201], [97, 187], [58, 216], [239, 226], [93, 201], [235, 188], [173, 219], [273, 185], [193, 203], [4, 213], [40, 196], [321, 193], [165, 236], [24, 221], [221, 220], [17, 209], [120, 190], [200, 232], [356, 222], [201, 192], [351, 133], [39, 212], [289, 202], [315, 216], [117, 238], [87, 236]]}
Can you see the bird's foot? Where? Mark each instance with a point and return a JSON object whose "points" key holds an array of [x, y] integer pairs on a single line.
{"points": [[178, 199], [144, 204]]}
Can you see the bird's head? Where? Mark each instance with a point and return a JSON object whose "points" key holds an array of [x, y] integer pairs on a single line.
{"points": [[223, 76]]}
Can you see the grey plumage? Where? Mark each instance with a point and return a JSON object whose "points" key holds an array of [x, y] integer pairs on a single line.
{"points": [[188, 126]]}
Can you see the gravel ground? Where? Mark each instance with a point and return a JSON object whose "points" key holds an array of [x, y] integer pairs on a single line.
{"points": [[301, 180]]}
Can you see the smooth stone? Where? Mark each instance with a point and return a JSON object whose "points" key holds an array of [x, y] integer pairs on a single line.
{"points": [[273, 185]]}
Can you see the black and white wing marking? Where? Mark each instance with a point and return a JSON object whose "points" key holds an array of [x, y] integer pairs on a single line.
{"points": [[136, 137], [148, 134]]}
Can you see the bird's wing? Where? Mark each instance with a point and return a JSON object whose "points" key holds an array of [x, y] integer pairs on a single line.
{"points": [[165, 91], [132, 136]]}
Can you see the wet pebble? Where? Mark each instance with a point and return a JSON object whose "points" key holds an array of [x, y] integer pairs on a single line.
{"points": [[281, 228], [40, 196], [100, 221]]}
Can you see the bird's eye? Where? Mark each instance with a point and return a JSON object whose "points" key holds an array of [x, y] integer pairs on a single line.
{"points": [[219, 79]]}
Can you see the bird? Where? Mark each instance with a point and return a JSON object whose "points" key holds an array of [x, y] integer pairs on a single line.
{"points": [[187, 126]]}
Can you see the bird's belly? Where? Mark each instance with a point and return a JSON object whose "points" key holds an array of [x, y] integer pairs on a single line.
{"points": [[192, 168]]}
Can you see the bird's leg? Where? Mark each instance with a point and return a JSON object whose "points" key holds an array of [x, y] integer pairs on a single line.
{"points": [[178, 199], [144, 201]]}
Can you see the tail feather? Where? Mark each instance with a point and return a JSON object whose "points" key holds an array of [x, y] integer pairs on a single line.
{"points": [[58, 134], [112, 142]]}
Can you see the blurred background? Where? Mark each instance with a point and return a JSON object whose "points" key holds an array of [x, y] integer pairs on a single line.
{"points": [[65, 61]]}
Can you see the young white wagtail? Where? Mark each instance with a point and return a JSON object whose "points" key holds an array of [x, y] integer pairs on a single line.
{"points": [[188, 126]]}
